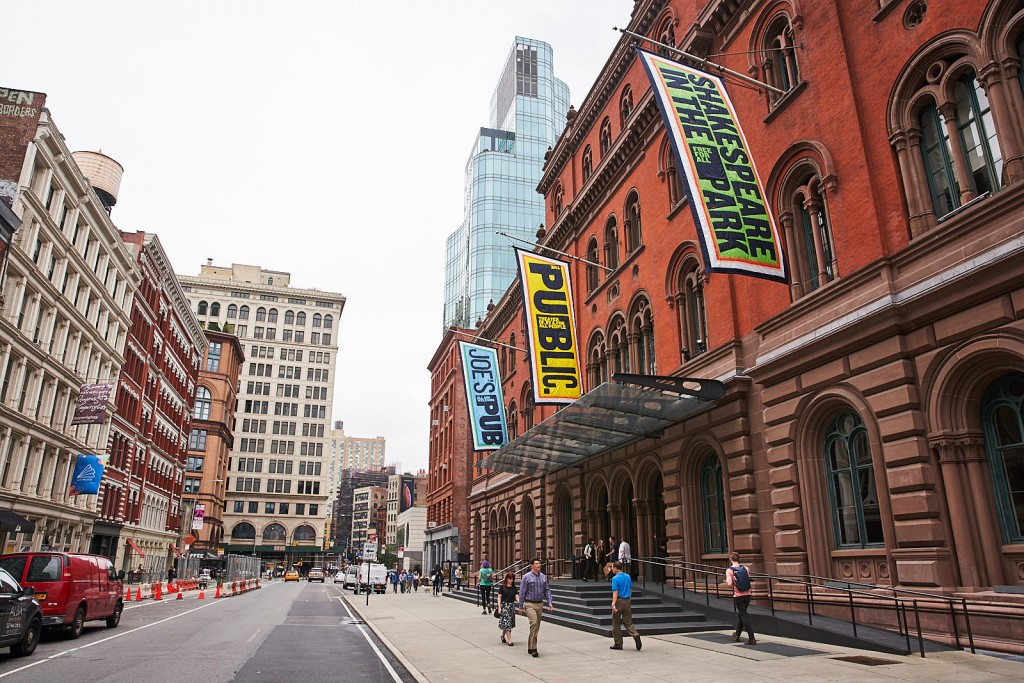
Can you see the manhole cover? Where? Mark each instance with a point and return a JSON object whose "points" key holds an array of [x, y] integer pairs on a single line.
{"points": [[866, 661]]}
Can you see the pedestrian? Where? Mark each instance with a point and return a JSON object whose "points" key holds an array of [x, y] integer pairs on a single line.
{"points": [[446, 572], [622, 608], [738, 577], [625, 556], [458, 577], [438, 579], [171, 574], [588, 560], [408, 583], [393, 578], [416, 581], [534, 591], [610, 557], [486, 581], [599, 559], [661, 559], [508, 596]]}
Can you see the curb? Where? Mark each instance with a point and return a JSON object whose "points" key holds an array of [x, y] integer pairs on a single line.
{"points": [[413, 671]]}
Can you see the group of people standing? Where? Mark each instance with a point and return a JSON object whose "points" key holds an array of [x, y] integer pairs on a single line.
{"points": [[406, 581], [599, 559]]}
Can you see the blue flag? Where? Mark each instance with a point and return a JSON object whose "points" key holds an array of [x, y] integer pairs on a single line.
{"points": [[88, 474], [483, 393]]}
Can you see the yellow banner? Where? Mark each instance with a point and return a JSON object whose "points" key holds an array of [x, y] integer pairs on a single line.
{"points": [[551, 328]]}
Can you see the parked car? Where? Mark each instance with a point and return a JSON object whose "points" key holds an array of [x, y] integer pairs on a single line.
{"points": [[71, 588], [351, 577], [21, 617], [315, 574], [339, 577], [291, 575]]}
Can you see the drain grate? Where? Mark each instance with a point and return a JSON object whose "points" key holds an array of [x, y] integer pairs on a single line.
{"points": [[349, 621], [866, 661]]}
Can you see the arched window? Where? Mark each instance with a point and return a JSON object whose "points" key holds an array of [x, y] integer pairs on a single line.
{"points": [[778, 58], [693, 334], [559, 200], [328, 322], [232, 311], [712, 495], [317, 320], [594, 257], [300, 318], [243, 313], [202, 308], [611, 244], [304, 533], [606, 136], [597, 361], [803, 212], [512, 352], [204, 401], [641, 338], [270, 280], [670, 175], [856, 517], [588, 162], [243, 531], [1003, 416], [513, 421], [274, 532], [631, 223], [215, 309], [289, 317], [261, 314], [272, 315], [618, 346], [527, 402], [625, 106], [667, 35]]}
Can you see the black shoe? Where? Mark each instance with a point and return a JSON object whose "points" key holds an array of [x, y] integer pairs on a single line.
{"points": [[736, 637], [615, 647], [638, 643], [535, 653], [750, 641]]}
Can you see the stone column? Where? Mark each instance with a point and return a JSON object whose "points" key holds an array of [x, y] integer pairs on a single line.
{"points": [[812, 206], [951, 464], [991, 79], [989, 535]]}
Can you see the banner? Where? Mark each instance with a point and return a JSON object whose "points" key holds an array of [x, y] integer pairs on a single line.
{"points": [[482, 375], [91, 407], [736, 229], [406, 494], [551, 328], [87, 476], [198, 514]]}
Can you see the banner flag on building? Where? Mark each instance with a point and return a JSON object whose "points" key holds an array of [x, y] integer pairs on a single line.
{"points": [[87, 476], [198, 514], [736, 229], [551, 328], [482, 375], [91, 407]]}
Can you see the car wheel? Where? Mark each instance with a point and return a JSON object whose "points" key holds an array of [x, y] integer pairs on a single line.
{"points": [[28, 642], [114, 619], [75, 629]]}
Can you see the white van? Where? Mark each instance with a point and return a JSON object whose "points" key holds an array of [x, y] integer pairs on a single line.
{"points": [[377, 577], [351, 577]]}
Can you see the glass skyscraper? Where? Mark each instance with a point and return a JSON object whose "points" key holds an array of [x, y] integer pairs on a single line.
{"points": [[527, 115]]}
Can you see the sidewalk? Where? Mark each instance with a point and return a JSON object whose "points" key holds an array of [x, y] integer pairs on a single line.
{"points": [[441, 639]]}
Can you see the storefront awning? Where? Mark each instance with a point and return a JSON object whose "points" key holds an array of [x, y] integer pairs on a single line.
{"points": [[609, 417], [136, 548], [15, 523]]}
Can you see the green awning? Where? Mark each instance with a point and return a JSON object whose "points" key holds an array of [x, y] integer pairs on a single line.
{"points": [[609, 417]]}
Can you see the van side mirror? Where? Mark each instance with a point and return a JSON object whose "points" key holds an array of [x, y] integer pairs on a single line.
{"points": [[28, 590]]}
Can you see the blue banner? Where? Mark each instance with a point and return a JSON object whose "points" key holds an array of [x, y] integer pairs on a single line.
{"points": [[483, 394], [87, 476]]}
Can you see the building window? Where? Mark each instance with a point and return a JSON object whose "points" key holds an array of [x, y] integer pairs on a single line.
{"points": [[194, 463], [606, 136], [282, 508], [232, 311], [197, 440], [588, 162], [243, 313], [273, 532], [667, 35], [856, 517], [632, 223], [559, 200], [314, 509], [712, 495], [202, 308], [1003, 416], [300, 318], [670, 174], [597, 361], [625, 106], [642, 338], [527, 403], [213, 357], [804, 215], [239, 506], [192, 485], [513, 421], [243, 531], [289, 317], [593, 258], [317, 319], [254, 507], [778, 58], [215, 309], [203, 403], [261, 314], [611, 244], [328, 322], [693, 334], [618, 346], [304, 533]]}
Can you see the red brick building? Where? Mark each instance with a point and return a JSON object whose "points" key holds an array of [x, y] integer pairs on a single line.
{"points": [[871, 427], [140, 497]]}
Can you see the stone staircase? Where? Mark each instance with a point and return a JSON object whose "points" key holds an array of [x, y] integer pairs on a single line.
{"points": [[587, 607]]}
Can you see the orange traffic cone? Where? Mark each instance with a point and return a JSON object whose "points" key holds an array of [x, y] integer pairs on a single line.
{"points": [[138, 594], [201, 595], [218, 592], [180, 596], [156, 592], [128, 595]]}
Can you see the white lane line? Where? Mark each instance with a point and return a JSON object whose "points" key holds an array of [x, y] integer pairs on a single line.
{"points": [[97, 642], [253, 636], [380, 655]]}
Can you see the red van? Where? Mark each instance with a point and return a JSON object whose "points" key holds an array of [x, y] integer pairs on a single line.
{"points": [[71, 588]]}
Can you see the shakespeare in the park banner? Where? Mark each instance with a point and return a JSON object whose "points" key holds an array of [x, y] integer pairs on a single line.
{"points": [[551, 328], [483, 393], [736, 228]]}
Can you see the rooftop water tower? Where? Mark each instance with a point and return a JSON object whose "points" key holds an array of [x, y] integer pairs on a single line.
{"points": [[103, 173]]}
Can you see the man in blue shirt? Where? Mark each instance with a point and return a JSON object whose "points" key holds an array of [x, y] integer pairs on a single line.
{"points": [[622, 609], [534, 591]]}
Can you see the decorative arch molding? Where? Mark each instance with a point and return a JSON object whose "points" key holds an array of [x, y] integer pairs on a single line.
{"points": [[791, 163], [597, 484], [767, 16], [1001, 21], [621, 476], [639, 298], [647, 470], [965, 371], [685, 251]]}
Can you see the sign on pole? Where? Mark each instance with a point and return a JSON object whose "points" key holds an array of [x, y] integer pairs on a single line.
{"points": [[370, 552]]}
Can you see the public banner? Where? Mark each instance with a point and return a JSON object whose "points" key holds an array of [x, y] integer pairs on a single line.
{"points": [[736, 229], [91, 407], [482, 376], [198, 515], [87, 476], [551, 328]]}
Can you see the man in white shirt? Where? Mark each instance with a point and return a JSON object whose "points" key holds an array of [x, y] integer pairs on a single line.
{"points": [[625, 556], [588, 559]]}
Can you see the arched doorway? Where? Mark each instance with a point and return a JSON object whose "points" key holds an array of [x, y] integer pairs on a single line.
{"points": [[528, 531], [564, 527], [478, 533], [629, 525]]}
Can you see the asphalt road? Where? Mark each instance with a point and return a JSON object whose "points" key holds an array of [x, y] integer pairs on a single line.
{"points": [[280, 633]]}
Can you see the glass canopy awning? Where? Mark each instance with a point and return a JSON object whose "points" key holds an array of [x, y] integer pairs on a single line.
{"points": [[609, 417]]}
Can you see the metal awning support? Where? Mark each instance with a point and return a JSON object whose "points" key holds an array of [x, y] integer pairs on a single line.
{"points": [[611, 416]]}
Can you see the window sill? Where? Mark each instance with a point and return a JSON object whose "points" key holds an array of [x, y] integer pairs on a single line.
{"points": [[784, 101], [680, 205], [610, 277], [885, 10]]}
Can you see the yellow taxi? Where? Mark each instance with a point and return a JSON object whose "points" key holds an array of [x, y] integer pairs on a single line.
{"points": [[291, 575]]}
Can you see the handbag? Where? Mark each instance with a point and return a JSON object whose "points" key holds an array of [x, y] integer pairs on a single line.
{"points": [[497, 613]]}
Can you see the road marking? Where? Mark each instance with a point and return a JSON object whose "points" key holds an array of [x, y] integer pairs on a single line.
{"points": [[380, 655], [97, 642], [253, 636]]}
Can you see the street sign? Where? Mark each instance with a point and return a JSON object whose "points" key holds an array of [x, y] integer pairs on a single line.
{"points": [[370, 552]]}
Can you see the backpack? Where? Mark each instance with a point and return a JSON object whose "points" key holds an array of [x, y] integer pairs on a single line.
{"points": [[741, 578]]}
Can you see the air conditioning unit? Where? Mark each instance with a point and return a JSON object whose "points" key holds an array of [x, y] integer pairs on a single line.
{"points": [[431, 524]]}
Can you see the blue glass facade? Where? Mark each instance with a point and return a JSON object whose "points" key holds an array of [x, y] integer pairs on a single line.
{"points": [[527, 116]]}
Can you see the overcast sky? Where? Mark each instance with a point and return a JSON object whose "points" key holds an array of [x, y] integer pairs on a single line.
{"points": [[326, 139]]}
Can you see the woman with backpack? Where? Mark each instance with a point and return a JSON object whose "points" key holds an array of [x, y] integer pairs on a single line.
{"points": [[738, 577]]}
